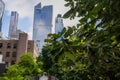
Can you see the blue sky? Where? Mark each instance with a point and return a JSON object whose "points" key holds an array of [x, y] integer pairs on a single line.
{"points": [[25, 8]]}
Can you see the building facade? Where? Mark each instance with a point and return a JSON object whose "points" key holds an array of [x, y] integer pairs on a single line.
{"points": [[42, 25], [2, 6], [13, 26], [13, 49], [58, 24]]}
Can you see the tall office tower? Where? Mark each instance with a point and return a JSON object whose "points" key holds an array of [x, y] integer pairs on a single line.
{"points": [[2, 6], [58, 24], [13, 26], [42, 25]]}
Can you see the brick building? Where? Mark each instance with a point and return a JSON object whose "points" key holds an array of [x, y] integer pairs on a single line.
{"points": [[13, 49]]}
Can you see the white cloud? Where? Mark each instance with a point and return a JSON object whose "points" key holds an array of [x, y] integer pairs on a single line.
{"points": [[23, 7]]}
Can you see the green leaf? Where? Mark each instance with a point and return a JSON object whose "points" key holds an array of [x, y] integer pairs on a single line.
{"points": [[66, 55], [68, 32]]}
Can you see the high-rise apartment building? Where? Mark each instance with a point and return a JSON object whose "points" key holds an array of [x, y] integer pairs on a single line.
{"points": [[13, 26], [42, 25], [58, 24], [2, 6], [11, 50]]}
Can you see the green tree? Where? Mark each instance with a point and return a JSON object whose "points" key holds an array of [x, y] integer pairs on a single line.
{"points": [[26, 67], [90, 50]]}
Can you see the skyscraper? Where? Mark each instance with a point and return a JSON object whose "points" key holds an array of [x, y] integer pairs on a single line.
{"points": [[13, 25], [42, 25], [2, 6], [58, 24]]}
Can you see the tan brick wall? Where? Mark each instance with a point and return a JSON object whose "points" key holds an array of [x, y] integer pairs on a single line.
{"points": [[23, 45]]}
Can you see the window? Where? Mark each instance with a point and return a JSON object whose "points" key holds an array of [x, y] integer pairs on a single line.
{"points": [[1, 45], [15, 45], [14, 54], [7, 54], [8, 45], [12, 62]]}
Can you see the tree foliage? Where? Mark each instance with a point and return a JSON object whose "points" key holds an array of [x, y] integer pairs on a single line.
{"points": [[26, 67], [90, 50]]}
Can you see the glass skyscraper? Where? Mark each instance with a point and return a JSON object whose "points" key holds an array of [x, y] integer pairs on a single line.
{"points": [[2, 6], [58, 24], [42, 25], [13, 25]]}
